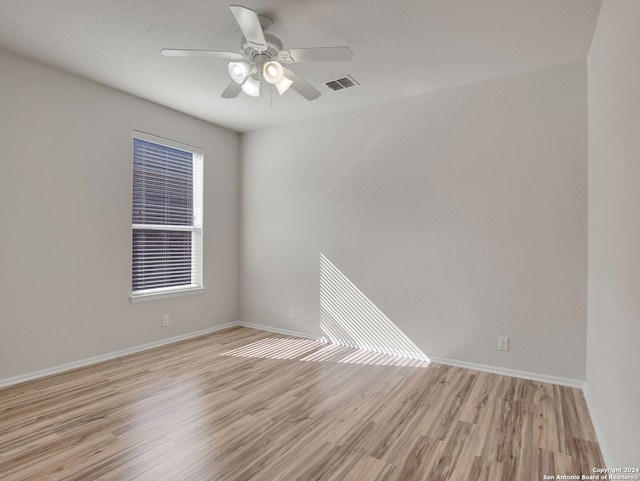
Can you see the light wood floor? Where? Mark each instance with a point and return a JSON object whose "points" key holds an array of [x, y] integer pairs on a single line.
{"points": [[250, 405]]}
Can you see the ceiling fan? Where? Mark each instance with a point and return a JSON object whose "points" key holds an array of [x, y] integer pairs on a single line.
{"points": [[262, 57]]}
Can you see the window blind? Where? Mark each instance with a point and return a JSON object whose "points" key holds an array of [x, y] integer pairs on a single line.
{"points": [[166, 228]]}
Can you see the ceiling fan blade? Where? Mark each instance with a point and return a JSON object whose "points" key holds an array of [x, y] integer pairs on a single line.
{"points": [[181, 52], [250, 25], [232, 91], [301, 86], [320, 54]]}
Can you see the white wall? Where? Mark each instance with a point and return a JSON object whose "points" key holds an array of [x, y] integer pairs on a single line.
{"points": [[613, 377], [461, 215], [65, 211]]}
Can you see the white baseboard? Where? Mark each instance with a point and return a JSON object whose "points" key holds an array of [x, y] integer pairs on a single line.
{"points": [[451, 362], [604, 449], [277, 330], [143, 347], [105, 357], [531, 376]]}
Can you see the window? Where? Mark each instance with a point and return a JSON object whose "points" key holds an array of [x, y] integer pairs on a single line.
{"points": [[166, 217]]}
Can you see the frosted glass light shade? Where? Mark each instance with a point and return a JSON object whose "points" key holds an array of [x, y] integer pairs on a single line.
{"points": [[283, 85], [239, 71], [272, 72], [251, 87]]}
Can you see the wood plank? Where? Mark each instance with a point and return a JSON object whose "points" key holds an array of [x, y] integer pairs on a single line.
{"points": [[247, 405]]}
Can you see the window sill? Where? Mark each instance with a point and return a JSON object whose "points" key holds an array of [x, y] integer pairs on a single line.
{"points": [[164, 293]]}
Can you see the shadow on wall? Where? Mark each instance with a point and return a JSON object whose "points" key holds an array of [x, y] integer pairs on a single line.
{"points": [[349, 318]]}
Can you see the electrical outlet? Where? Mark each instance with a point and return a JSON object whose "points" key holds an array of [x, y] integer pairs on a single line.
{"points": [[503, 343], [292, 313], [297, 313], [165, 320]]}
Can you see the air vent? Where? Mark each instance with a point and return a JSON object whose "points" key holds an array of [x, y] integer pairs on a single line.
{"points": [[341, 83]]}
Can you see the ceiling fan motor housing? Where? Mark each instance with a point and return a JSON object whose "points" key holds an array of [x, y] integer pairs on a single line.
{"points": [[274, 45]]}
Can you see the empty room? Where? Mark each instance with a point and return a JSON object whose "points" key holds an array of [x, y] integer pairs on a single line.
{"points": [[339, 240]]}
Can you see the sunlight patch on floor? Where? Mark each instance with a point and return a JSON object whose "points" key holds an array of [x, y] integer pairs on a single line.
{"points": [[318, 351]]}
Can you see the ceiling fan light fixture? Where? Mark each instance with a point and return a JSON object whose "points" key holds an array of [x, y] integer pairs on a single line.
{"points": [[283, 85], [251, 87], [273, 72], [261, 56], [239, 71]]}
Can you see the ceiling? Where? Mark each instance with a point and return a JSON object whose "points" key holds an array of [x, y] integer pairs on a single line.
{"points": [[400, 48]]}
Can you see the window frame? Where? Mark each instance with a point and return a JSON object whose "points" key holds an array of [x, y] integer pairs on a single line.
{"points": [[196, 227]]}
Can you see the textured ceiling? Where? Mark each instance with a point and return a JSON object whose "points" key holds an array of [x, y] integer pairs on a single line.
{"points": [[400, 48]]}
